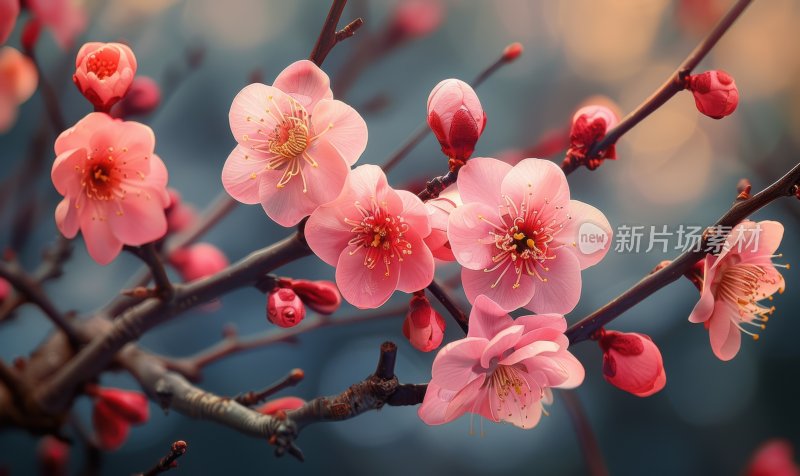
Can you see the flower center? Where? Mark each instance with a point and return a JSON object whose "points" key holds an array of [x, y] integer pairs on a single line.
{"points": [[100, 176], [103, 62], [740, 284], [289, 138], [522, 240], [380, 233]]}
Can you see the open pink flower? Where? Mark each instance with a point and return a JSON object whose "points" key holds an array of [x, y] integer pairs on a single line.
{"points": [[9, 10], [18, 80], [439, 210], [733, 283], [104, 72], [296, 144], [66, 19], [373, 235], [114, 186], [503, 370], [632, 362], [521, 240]]}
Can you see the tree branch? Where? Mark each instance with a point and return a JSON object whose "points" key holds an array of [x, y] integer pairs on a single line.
{"points": [[329, 37], [148, 254], [673, 85], [441, 295], [251, 398], [169, 461], [741, 209]]}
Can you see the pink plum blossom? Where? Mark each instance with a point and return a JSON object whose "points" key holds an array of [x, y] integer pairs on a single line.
{"points": [[198, 261], [9, 10], [104, 72], [439, 210], [735, 281], [517, 235], [373, 235], [632, 362], [504, 370], [66, 19], [114, 186], [295, 144], [18, 80]]}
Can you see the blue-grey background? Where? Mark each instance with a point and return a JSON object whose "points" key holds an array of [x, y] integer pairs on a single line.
{"points": [[677, 167]]}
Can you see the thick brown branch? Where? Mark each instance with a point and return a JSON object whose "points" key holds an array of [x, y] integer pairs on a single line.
{"points": [[673, 85], [740, 210]]}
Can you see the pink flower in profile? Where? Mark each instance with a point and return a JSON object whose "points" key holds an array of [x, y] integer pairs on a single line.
{"points": [[735, 281], [114, 186], [439, 210], [520, 239], [504, 370], [198, 261], [456, 117], [373, 235], [632, 362], [66, 19], [18, 80], [296, 144], [773, 458], [423, 327], [9, 10], [104, 72]]}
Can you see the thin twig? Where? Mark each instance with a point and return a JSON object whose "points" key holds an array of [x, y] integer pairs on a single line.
{"points": [[251, 398], [673, 85], [169, 461], [151, 258], [329, 37], [441, 295]]}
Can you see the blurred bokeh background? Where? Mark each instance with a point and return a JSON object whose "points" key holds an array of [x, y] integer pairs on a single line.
{"points": [[677, 167]]}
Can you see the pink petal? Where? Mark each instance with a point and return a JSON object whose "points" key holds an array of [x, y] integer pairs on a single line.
{"points": [[157, 180], [139, 219], [542, 321], [414, 213], [80, 134], [256, 110], [543, 334], [766, 244], [522, 409], [416, 270], [327, 233], [563, 370], [67, 219], [306, 82], [487, 319], [101, 243], [705, 306], [529, 350], [658, 385], [726, 339], [362, 287], [562, 290], [65, 178], [468, 399], [480, 180], [500, 344], [240, 175], [453, 367], [468, 231], [543, 179], [584, 222], [342, 126], [434, 405], [504, 293]]}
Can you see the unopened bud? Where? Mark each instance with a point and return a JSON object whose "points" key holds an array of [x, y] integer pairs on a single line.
{"points": [[53, 456], [423, 327], [512, 52], [589, 125], [284, 308], [321, 296], [456, 117], [143, 97], [715, 93], [632, 362]]}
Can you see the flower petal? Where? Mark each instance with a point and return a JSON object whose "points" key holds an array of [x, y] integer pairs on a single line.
{"points": [[540, 183], [562, 290], [480, 180], [468, 231], [416, 269], [487, 319], [101, 243], [502, 290], [454, 365], [586, 222], [256, 109], [306, 82], [363, 287], [342, 126], [725, 337]]}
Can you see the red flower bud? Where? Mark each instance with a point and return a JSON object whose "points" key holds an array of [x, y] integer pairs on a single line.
{"points": [[110, 427], [198, 261], [9, 10], [632, 362], [415, 19], [53, 456], [589, 125], [104, 72], [30, 34], [284, 308], [321, 296], [715, 93], [133, 407], [456, 117], [281, 404], [773, 458], [423, 327], [512, 52], [180, 216], [143, 97]]}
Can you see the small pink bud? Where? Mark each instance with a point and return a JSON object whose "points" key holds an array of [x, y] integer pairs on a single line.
{"points": [[416, 18], [272, 407], [53, 457], [110, 428], [632, 362], [143, 97], [589, 125], [104, 72], [321, 296], [715, 93], [133, 407], [512, 52], [457, 119], [180, 215], [423, 327], [9, 10], [284, 308], [5, 289], [773, 458], [198, 261]]}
